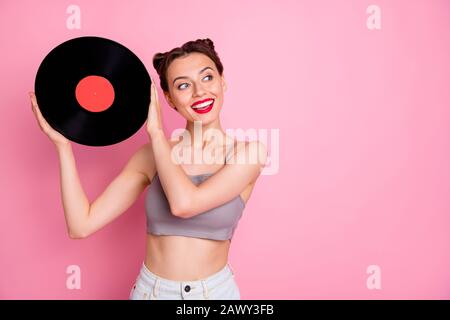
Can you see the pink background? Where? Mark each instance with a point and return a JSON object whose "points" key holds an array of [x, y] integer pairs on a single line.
{"points": [[364, 146]]}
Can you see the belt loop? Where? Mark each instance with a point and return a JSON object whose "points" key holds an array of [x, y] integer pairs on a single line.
{"points": [[205, 290], [155, 290]]}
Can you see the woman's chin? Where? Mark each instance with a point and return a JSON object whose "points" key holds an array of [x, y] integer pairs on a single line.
{"points": [[204, 121], [206, 118]]}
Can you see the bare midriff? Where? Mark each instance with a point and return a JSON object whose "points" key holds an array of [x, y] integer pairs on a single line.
{"points": [[180, 258]]}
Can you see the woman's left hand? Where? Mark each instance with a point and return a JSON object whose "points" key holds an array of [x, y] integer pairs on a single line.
{"points": [[154, 120]]}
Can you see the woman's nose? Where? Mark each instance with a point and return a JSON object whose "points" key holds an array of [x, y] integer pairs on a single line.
{"points": [[198, 90]]}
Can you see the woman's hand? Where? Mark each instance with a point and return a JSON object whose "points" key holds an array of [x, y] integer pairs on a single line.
{"points": [[57, 138], [154, 121]]}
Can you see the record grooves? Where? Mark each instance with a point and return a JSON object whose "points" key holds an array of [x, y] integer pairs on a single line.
{"points": [[93, 90]]}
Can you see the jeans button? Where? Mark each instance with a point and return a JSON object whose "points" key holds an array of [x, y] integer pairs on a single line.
{"points": [[187, 288]]}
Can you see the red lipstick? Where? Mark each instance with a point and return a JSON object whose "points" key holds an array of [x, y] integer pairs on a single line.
{"points": [[203, 106]]}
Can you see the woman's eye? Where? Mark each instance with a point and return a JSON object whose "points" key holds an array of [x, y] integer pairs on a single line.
{"points": [[184, 85]]}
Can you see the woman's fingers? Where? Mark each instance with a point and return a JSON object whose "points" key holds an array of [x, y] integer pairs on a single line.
{"points": [[152, 96], [152, 92], [40, 118], [34, 106], [33, 100], [152, 102], [54, 135], [155, 94]]}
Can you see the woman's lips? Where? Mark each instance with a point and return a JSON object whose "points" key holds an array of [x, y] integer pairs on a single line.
{"points": [[202, 101], [206, 110]]}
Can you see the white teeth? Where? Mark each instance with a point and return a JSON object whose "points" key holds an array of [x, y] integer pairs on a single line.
{"points": [[202, 105]]}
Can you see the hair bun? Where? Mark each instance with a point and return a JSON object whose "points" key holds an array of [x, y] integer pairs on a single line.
{"points": [[158, 59], [207, 42]]}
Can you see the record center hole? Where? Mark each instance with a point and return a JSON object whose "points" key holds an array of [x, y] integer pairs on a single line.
{"points": [[94, 93]]}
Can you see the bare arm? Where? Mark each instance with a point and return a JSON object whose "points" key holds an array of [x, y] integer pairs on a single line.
{"points": [[185, 198], [83, 218], [174, 181], [74, 200], [229, 181]]}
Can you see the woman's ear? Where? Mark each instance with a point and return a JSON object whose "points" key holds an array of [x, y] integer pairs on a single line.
{"points": [[169, 101], [224, 84]]}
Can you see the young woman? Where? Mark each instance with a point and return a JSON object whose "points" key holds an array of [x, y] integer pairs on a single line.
{"points": [[193, 206]]}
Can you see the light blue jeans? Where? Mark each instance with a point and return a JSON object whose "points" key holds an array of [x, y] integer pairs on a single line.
{"points": [[219, 286]]}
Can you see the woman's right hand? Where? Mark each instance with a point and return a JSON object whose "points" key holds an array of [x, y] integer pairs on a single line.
{"points": [[57, 138]]}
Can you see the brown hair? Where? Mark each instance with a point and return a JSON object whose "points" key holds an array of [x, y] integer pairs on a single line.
{"points": [[161, 61]]}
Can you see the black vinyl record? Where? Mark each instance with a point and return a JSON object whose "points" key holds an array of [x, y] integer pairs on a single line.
{"points": [[94, 91]]}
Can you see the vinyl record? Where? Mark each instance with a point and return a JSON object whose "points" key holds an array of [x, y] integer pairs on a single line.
{"points": [[93, 90]]}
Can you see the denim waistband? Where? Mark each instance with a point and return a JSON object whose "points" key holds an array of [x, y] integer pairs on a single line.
{"points": [[193, 287]]}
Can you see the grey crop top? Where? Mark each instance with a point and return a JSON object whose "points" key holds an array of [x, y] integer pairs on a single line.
{"points": [[217, 224]]}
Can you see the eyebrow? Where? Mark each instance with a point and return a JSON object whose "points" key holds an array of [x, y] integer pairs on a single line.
{"points": [[205, 68]]}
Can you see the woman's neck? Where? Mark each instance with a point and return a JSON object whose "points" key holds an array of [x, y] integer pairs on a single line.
{"points": [[201, 135]]}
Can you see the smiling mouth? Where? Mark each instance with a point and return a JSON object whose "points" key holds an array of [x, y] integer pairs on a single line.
{"points": [[203, 104], [203, 107]]}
